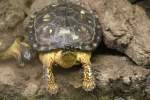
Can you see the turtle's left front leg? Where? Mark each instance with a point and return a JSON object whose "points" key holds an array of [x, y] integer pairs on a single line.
{"points": [[88, 77], [48, 60]]}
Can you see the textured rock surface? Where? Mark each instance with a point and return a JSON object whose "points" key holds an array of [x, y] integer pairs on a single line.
{"points": [[116, 77], [125, 29], [12, 15]]}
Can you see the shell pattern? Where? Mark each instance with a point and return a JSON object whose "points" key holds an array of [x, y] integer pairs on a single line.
{"points": [[64, 26]]}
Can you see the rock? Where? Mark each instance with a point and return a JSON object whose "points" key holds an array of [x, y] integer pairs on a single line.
{"points": [[5, 41], [11, 14], [125, 27], [38, 5], [30, 90], [117, 77], [111, 67], [17, 82], [7, 76]]}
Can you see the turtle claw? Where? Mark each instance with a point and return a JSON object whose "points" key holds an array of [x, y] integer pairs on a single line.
{"points": [[88, 85], [53, 88]]}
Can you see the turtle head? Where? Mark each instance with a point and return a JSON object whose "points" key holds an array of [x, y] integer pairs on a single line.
{"points": [[68, 58]]}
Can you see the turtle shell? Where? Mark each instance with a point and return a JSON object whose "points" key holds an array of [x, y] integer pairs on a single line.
{"points": [[64, 26]]}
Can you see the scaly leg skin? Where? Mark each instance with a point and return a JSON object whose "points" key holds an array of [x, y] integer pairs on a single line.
{"points": [[48, 61], [88, 78]]}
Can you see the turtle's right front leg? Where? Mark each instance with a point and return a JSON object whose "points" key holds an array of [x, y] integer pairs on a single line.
{"points": [[88, 77], [48, 61]]}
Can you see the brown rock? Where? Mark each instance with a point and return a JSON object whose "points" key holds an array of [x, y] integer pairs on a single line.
{"points": [[30, 90], [125, 27], [11, 13], [7, 76]]}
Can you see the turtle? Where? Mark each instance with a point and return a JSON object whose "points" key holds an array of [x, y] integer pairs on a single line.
{"points": [[63, 34]]}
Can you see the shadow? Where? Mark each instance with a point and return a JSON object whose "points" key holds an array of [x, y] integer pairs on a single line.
{"points": [[135, 1], [62, 71], [145, 4], [102, 49]]}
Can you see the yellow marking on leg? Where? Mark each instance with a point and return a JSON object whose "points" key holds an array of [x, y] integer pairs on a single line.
{"points": [[48, 60], [88, 77]]}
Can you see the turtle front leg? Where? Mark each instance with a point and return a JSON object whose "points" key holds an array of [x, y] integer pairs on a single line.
{"points": [[19, 50], [88, 77], [14, 51], [48, 61]]}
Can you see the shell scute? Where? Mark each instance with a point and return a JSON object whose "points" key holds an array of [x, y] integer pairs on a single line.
{"points": [[64, 25]]}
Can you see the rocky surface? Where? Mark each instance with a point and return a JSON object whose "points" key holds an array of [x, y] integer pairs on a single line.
{"points": [[118, 77], [12, 15], [125, 27]]}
